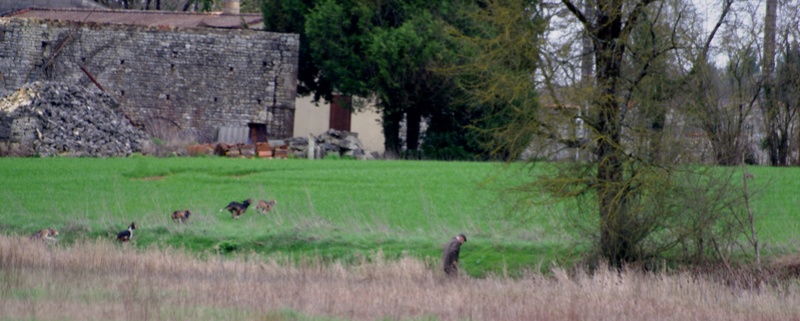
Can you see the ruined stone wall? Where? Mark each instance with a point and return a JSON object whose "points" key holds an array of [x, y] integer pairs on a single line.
{"points": [[190, 78]]}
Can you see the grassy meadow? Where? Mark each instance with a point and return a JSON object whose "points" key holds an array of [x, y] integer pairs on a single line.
{"points": [[333, 209], [363, 239]]}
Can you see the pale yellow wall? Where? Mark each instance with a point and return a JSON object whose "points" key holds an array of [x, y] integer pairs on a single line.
{"points": [[367, 125], [309, 118]]}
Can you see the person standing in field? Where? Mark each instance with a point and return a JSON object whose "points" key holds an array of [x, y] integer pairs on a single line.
{"points": [[450, 255]]}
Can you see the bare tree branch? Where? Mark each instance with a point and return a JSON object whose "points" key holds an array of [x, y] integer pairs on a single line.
{"points": [[578, 14], [726, 8]]}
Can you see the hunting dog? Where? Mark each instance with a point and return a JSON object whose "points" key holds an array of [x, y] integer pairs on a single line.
{"points": [[265, 206], [48, 234], [236, 208], [126, 235], [181, 216]]}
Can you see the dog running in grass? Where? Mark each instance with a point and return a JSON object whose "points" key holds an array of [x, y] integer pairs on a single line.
{"points": [[236, 208], [264, 206], [126, 235], [181, 216], [48, 234]]}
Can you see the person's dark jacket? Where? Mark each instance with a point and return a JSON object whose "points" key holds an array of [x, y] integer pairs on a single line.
{"points": [[450, 256]]}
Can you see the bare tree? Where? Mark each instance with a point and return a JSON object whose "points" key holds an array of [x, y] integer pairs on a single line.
{"points": [[635, 51], [723, 104], [645, 202], [611, 25]]}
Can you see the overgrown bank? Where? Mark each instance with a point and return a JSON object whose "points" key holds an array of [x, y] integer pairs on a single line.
{"points": [[100, 280]]}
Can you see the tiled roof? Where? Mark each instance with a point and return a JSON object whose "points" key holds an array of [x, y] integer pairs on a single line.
{"points": [[149, 18]]}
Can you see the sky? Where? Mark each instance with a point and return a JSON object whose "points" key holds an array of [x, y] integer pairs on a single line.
{"points": [[709, 11]]}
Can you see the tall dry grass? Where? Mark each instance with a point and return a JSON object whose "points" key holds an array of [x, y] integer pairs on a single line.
{"points": [[101, 280]]}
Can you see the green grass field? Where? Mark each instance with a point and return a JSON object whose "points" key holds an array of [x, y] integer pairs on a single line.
{"points": [[334, 209]]}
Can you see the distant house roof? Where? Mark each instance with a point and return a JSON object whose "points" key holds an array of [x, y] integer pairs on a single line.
{"points": [[150, 18], [8, 6]]}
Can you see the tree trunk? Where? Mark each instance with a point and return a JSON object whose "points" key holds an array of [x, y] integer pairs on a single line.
{"points": [[391, 133], [586, 48], [771, 113], [187, 5], [614, 235], [783, 148], [413, 120]]}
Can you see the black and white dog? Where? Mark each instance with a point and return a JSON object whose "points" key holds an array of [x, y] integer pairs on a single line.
{"points": [[126, 235], [236, 208]]}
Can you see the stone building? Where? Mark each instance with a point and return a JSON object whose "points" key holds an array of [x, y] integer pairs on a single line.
{"points": [[191, 71]]}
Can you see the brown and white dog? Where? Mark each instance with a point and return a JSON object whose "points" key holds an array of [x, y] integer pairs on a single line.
{"points": [[48, 234], [236, 208], [126, 235], [264, 206], [181, 216]]}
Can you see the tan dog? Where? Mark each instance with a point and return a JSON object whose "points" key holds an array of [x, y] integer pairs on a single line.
{"points": [[48, 234], [265, 206], [181, 216]]}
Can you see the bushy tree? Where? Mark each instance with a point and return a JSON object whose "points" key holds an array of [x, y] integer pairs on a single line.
{"points": [[381, 50], [496, 67], [290, 16]]}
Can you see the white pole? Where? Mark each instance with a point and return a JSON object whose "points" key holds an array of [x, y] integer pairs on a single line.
{"points": [[311, 145]]}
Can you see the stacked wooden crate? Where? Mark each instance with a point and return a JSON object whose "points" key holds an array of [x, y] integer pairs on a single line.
{"points": [[260, 150], [200, 149], [263, 150], [282, 151]]}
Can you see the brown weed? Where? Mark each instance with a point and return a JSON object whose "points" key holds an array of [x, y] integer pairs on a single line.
{"points": [[101, 280]]}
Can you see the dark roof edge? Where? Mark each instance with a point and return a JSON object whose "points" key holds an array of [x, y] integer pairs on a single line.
{"points": [[131, 12]]}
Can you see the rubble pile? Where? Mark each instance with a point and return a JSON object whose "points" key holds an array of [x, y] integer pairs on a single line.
{"points": [[61, 119], [336, 142]]}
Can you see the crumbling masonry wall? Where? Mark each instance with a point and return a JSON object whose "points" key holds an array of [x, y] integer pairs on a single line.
{"points": [[190, 78]]}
